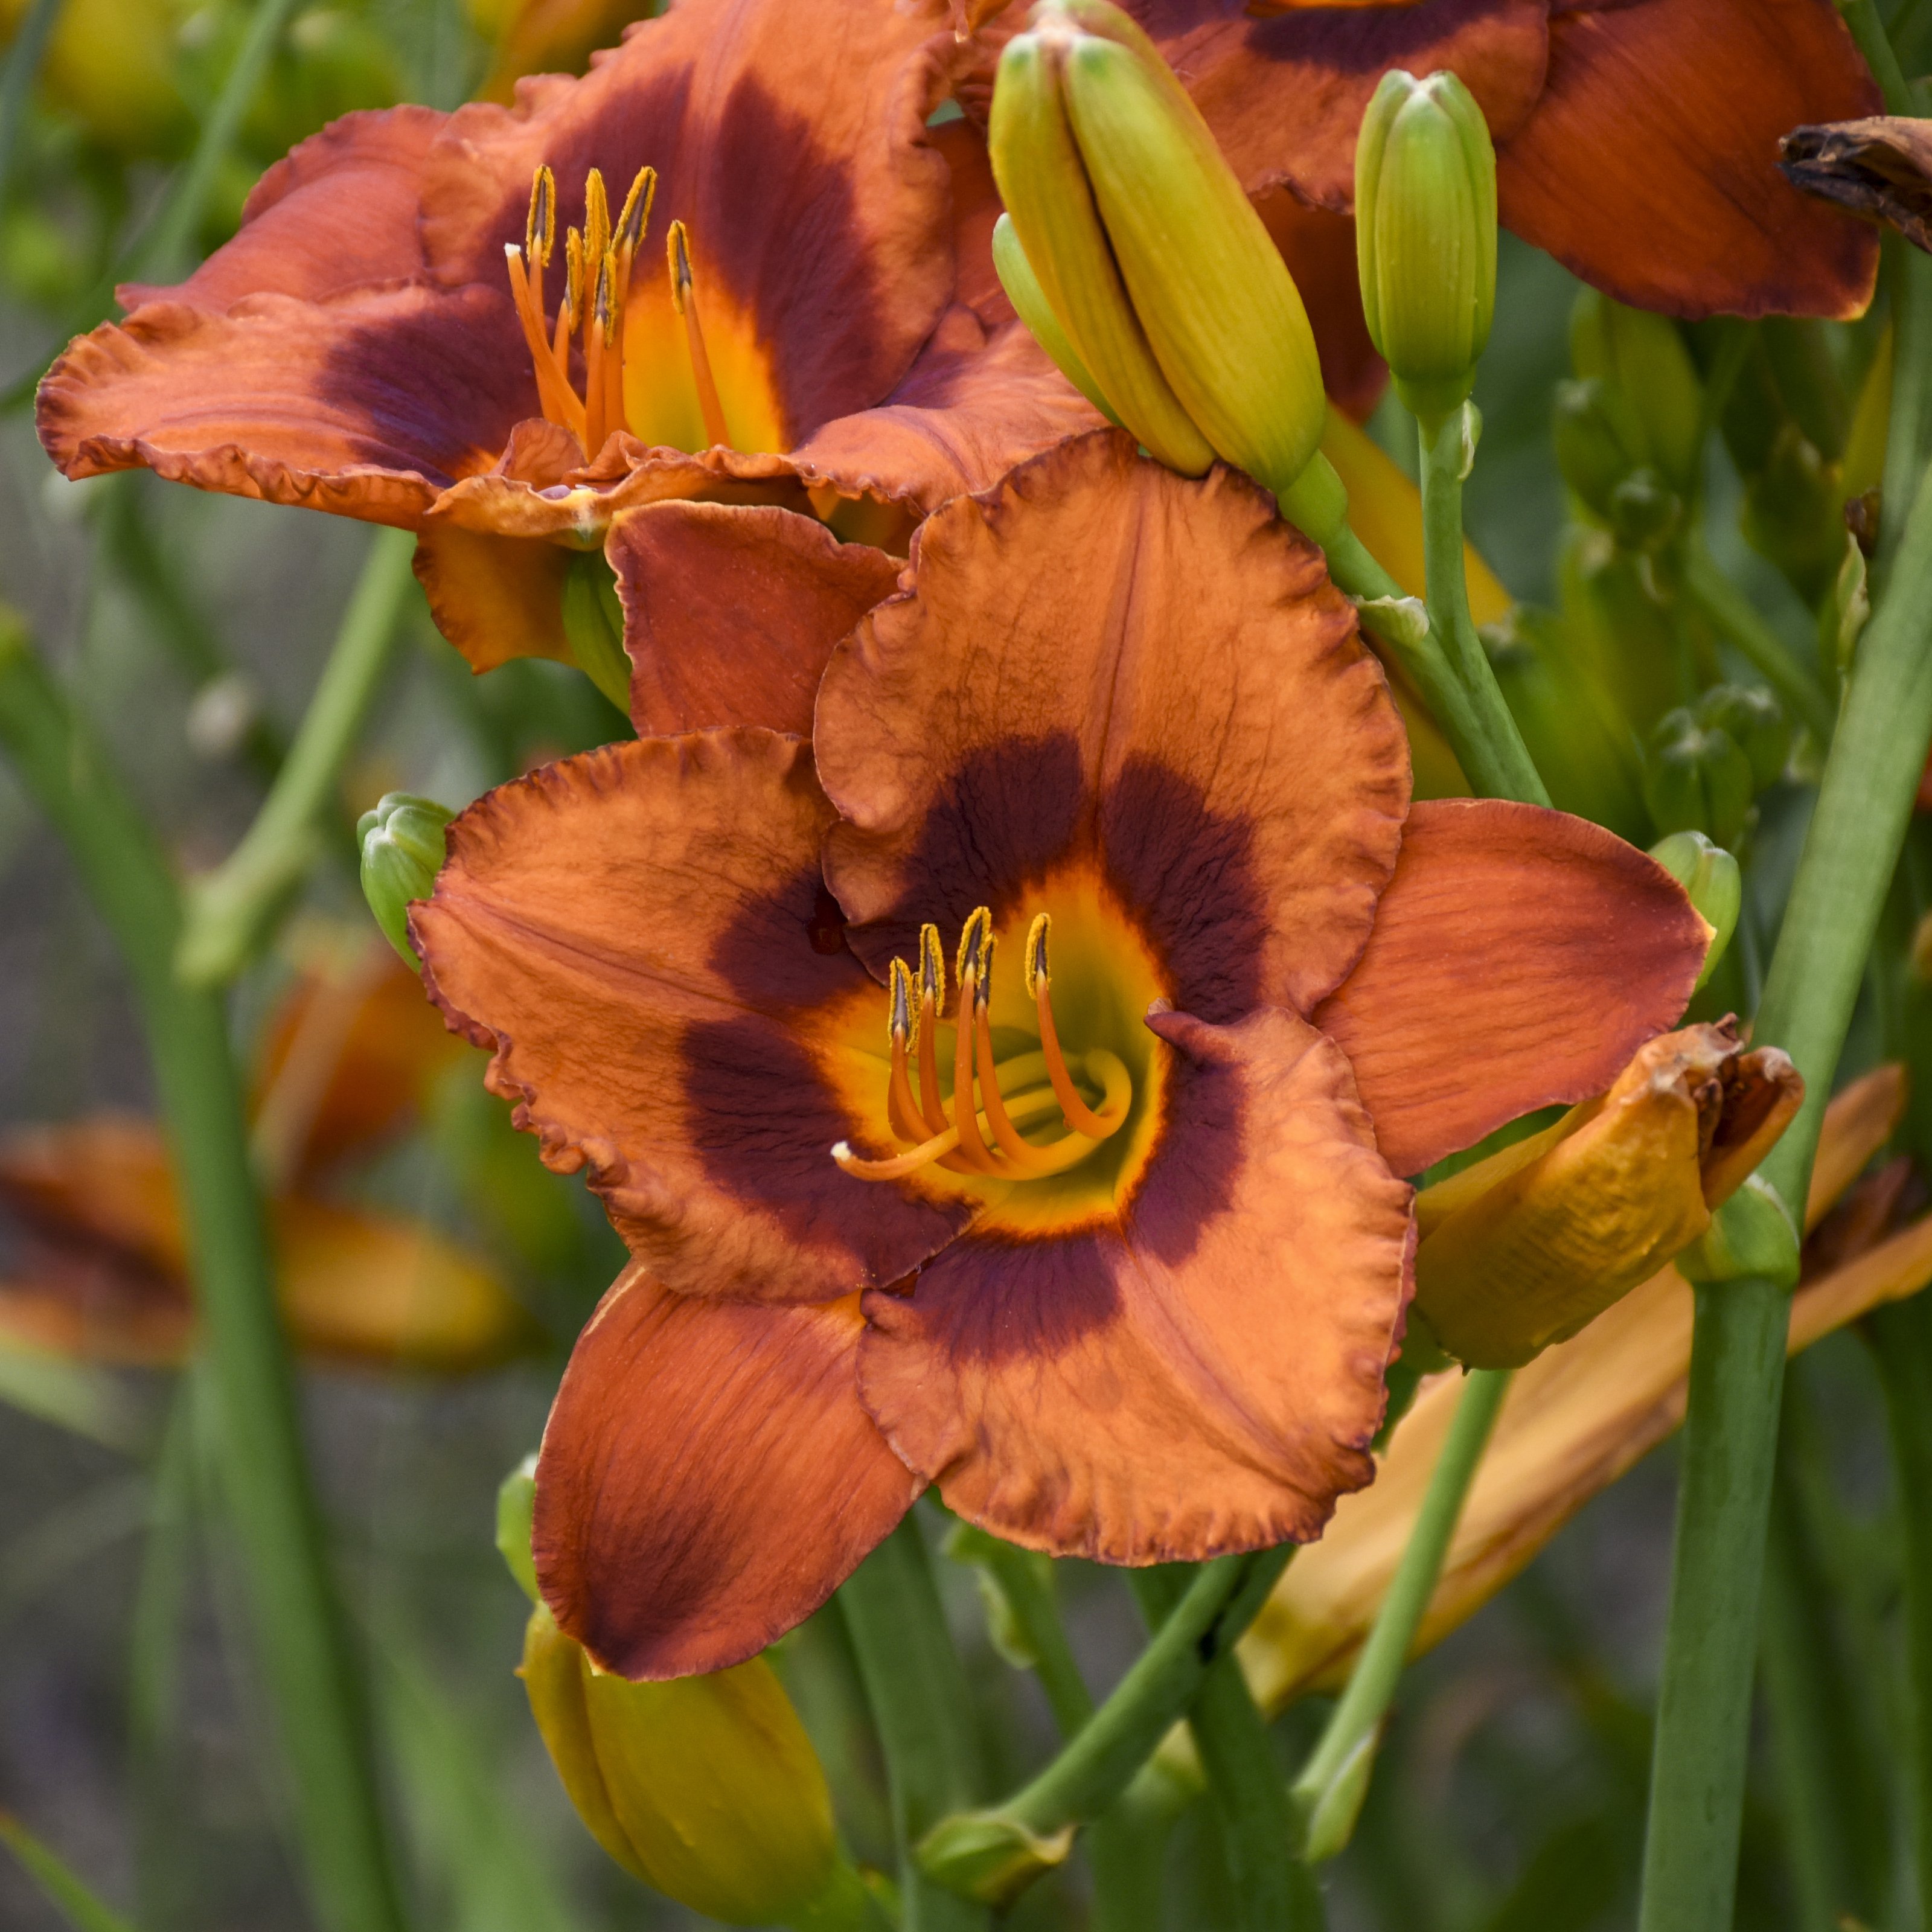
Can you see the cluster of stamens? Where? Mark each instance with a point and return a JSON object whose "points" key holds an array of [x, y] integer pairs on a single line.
{"points": [[975, 1128], [598, 259]]}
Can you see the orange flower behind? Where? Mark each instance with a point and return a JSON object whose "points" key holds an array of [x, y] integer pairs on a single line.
{"points": [[1012, 1089], [721, 267]]}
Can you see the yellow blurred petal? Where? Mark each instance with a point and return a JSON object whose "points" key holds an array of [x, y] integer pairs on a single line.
{"points": [[372, 1289], [1858, 1122], [1574, 1421], [716, 1788]]}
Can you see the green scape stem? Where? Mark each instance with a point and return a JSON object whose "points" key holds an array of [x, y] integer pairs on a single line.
{"points": [[1737, 1363], [990, 1854], [1273, 1891], [1909, 431], [1902, 1350], [305, 1658], [1328, 1793], [64, 1891], [1862, 16], [1503, 767], [922, 1708], [231, 910], [1735, 618]]}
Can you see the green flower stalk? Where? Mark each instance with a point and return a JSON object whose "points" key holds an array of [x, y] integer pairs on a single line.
{"points": [[403, 844], [1425, 236], [1136, 259]]}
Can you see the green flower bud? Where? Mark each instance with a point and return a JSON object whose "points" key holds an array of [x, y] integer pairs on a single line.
{"points": [[989, 1856], [1426, 235], [516, 1514], [1598, 441], [1711, 878], [1696, 780], [1161, 280], [403, 843], [1643, 357], [1753, 1233], [705, 1788], [1755, 722], [1030, 304]]}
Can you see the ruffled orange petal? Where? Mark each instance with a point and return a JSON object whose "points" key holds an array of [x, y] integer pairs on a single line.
{"points": [[336, 214], [708, 1478], [1650, 165], [1520, 957], [1205, 1377], [731, 613], [641, 935], [368, 407], [1104, 657]]}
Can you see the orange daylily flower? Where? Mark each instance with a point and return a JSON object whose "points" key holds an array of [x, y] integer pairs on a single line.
{"points": [[1636, 140], [1526, 1247], [102, 1267], [1574, 1421], [1011, 1089], [721, 269]]}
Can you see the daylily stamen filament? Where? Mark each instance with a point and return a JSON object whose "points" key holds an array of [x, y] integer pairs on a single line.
{"points": [[978, 1132], [684, 296]]}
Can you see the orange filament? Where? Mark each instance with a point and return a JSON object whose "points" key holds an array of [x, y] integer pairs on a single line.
{"points": [[598, 260], [983, 1134], [684, 296]]}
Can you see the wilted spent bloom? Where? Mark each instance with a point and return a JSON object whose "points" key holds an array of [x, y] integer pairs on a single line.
{"points": [[1426, 235], [402, 841], [1527, 1247], [1159, 276], [1711, 878]]}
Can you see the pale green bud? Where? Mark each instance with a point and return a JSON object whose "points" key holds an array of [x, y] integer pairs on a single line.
{"points": [[1753, 1234], [706, 1788], [1030, 304], [1221, 311], [1713, 883], [516, 1515], [403, 844], [1045, 188], [1157, 276], [1426, 235]]}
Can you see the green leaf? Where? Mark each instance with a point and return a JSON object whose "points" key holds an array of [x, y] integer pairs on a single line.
{"points": [[74, 1395], [70, 1898]]}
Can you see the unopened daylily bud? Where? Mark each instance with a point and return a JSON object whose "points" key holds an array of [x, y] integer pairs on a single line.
{"points": [[1642, 357], [1751, 1234], [1526, 1247], [1161, 277], [1696, 779], [1030, 304], [705, 1788], [403, 843], [1426, 235], [1712, 878], [1753, 721], [516, 1513]]}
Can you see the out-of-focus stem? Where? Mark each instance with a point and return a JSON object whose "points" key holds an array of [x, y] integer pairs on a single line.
{"points": [[922, 1708], [231, 909], [1735, 618], [1503, 768], [1328, 1793], [297, 1627]]}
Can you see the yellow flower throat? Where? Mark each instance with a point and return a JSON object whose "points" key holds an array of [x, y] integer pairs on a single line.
{"points": [[975, 1128], [599, 259]]}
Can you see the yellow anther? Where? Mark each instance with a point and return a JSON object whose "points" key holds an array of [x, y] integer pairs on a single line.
{"points": [[603, 305], [596, 216], [684, 299], [932, 967], [635, 215], [540, 230], [1036, 952], [901, 1025], [974, 936], [677, 255]]}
